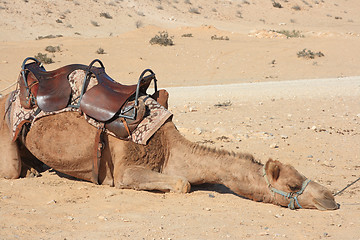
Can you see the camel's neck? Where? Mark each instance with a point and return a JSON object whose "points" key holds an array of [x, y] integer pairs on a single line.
{"points": [[239, 172]]}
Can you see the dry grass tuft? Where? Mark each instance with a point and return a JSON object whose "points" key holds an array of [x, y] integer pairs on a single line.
{"points": [[214, 37], [308, 54], [100, 51], [43, 58], [52, 49], [106, 15], [162, 39]]}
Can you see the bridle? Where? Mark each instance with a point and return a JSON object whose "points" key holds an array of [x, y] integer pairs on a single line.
{"points": [[291, 195]]}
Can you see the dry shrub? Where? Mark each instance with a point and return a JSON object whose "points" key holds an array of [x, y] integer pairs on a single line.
{"points": [[162, 39]]}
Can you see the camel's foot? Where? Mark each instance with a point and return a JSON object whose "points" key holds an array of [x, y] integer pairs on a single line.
{"points": [[29, 172], [140, 178]]}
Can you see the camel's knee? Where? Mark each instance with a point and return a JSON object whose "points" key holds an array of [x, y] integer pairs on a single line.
{"points": [[182, 186], [10, 163], [10, 169], [10, 175]]}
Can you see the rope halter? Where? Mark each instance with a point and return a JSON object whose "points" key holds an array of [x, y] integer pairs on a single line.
{"points": [[291, 195]]}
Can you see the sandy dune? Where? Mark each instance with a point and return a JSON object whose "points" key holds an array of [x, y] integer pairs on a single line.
{"points": [[241, 94]]}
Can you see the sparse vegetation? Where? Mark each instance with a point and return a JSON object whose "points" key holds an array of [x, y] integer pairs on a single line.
{"points": [[296, 8], [52, 49], [95, 24], [138, 24], [187, 35], [44, 58], [238, 14], [159, 7], [308, 54], [194, 10], [223, 104], [141, 14], [291, 34], [187, 2], [106, 15], [306, 3], [49, 36], [67, 11], [100, 51], [162, 39], [214, 37], [276, 4]]}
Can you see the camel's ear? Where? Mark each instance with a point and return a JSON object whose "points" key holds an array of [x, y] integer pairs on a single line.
{"points": [[273, 169]]}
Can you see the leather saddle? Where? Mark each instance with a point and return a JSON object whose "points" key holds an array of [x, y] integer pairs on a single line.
{"points": [[51, 90], [119, 108]]}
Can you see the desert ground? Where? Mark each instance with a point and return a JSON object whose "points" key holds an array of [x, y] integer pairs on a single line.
{"points": [[238, 80]]}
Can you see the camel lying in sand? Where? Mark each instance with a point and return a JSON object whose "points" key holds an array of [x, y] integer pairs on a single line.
{"points": [[168, 162]]}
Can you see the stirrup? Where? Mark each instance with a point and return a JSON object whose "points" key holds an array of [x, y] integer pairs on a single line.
{"points": [[134, 107], [31, 99]]}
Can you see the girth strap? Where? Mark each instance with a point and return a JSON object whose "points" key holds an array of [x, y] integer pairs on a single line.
{"points": [[98, 147]]}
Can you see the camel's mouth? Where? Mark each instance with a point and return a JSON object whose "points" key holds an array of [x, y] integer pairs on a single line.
{"points": [[319, 197], [325, 200], [325, 204]]}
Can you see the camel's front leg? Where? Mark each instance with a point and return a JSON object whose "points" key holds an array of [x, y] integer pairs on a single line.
{"points": [[140, 178], [10, 163]]}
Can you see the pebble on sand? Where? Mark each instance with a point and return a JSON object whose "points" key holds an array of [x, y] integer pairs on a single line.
{"points": [[274, 145]]}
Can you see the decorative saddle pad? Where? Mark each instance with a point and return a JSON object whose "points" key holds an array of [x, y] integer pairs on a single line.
{"points": [[154, 118]]}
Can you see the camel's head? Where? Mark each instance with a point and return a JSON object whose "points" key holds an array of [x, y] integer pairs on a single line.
{"points": [[290, 188]]}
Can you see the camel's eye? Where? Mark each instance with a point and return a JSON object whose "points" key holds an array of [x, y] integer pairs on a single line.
{"points": [[294, 188]]}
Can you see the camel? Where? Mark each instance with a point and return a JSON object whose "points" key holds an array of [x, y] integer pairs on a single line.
{"points": [[168, 163]]}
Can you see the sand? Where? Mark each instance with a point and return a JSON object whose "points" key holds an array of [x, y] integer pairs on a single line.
{"points": [[305, 112]]}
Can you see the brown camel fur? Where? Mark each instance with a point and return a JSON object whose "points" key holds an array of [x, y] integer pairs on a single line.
{"points": [[169, 162]]}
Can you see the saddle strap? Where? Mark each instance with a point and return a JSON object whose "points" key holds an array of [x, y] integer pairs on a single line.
{"points": [[19, 129], [98, 147], [123, 120]]}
